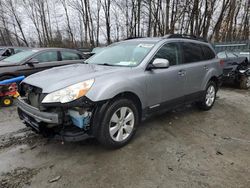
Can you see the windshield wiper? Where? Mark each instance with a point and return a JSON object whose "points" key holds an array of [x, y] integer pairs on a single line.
{"points": [[106, 64]]}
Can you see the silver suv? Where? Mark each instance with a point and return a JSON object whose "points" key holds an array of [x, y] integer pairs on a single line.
{"points": [[109, 94]]}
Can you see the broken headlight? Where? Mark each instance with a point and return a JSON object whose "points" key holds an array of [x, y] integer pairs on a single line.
{"points": [[69, 93]]}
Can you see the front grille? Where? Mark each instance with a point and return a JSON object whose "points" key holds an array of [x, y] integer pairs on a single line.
{"points": [[32, 94]]}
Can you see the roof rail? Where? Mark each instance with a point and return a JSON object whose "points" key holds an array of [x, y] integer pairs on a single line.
{"points": [[185, 36], [133, 38]]}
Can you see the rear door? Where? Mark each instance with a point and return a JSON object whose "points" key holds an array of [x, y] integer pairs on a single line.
{"points": [[194, 67], [70, 57], [46, 60]]}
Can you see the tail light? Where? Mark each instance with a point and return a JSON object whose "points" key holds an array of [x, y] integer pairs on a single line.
{"points": [[221, 63]]}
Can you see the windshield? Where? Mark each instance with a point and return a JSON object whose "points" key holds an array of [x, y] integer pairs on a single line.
{"points": [[97, 50], [17, 58], [2, 50], [129, 54]]}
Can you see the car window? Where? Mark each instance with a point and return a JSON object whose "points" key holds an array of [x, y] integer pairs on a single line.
{"points": [[97, 50], [17, 58], [46, 56], [16, 50], [169, 51], [192, 52], [231, 55], [207, 53], [69, 56], [222, 55]]}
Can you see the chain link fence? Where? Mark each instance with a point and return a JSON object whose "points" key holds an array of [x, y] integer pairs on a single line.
{"points": [[235, 46]]}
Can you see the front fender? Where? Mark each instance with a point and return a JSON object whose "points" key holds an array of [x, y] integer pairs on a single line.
{"points": [[107, 89]]}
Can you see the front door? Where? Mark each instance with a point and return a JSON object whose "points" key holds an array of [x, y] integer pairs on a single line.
{"points": [[165, 86]]}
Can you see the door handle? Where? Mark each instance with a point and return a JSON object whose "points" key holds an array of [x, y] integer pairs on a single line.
{"points": [[206, 67], [181, 73]]}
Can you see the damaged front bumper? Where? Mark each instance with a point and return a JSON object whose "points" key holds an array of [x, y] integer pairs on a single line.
{"points": [[37, 114], [57, 124]]}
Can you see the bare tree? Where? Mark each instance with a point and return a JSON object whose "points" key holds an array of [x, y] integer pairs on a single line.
{"points": [[69, 30], [11, 6], [106, 9], [92, 21]]}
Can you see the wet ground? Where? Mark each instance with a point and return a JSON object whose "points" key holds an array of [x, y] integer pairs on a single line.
{"points": [[183, 148]]}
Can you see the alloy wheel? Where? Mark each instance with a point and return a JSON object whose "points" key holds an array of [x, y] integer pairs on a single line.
{"points": [[210, 95], [121, 124]]}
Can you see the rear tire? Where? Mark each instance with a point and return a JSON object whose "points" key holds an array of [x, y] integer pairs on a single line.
{"points": [[119, 124], [209, 97], [244, 82]]}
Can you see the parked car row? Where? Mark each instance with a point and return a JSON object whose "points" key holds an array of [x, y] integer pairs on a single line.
{"points": [[108, 95]]}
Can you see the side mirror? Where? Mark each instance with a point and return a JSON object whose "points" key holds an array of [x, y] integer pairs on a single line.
{"points": [[159, 63], [32, 62]]}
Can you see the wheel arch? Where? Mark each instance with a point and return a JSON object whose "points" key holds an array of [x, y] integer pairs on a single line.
{"points": [[212, 75], [215, 80], [131, 96], [101, 109]]}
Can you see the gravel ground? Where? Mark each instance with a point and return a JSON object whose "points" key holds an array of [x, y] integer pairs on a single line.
{"points": [[182, 148]]}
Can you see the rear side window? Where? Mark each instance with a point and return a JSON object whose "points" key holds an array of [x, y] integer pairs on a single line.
{"points": [[192, 52], [207, 52], [222, 55], [47, 57], [69, 56], [231, 55], [169, 51]]}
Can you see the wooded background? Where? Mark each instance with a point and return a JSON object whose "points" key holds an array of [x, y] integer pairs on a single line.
{"points": [[89, 23]]}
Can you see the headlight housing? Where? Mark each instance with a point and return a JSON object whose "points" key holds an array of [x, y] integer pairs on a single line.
{"points": [[69, 93]]}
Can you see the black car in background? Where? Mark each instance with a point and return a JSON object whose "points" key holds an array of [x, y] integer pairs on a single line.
{"points": [[6, 51], [235, 69], [34, 60]]}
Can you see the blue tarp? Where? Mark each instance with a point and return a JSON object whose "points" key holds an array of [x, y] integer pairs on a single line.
{"points": [[12, 80]]}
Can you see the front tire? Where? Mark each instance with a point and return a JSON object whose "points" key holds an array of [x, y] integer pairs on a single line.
{"points": [[209, 97], [119, 124]]}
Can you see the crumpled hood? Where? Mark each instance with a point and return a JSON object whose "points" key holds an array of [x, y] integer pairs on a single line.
{"points": [[60, 77]]}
